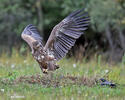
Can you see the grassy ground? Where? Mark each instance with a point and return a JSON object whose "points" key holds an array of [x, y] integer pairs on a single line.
{"points": [[21, 78]]}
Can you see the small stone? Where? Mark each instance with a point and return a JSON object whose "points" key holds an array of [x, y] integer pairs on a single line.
{"points": [[2, 90], [74, 65], [12, 66], [106, 71]]}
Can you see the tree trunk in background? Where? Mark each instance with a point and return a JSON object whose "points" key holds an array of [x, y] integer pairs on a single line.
{"points": [[10, 44], [121, 38], [40, 15], [115, 53], [111, 45], [110, 40]]}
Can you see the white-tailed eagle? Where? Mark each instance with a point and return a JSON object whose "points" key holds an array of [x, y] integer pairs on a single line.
{"points": [[60, 41]]}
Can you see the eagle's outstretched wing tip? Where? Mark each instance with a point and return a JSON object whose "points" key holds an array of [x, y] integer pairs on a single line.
{"points": [[77, 12], [31, 34], [64, 34], [29, 25]]}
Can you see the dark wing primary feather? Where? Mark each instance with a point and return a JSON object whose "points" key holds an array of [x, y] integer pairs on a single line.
{"points": [[64, 34], [31, 35]]}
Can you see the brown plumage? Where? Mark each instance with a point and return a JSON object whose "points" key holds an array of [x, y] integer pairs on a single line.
{"points": [[61, 39]]}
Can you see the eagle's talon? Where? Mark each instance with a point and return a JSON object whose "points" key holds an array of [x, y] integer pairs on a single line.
{"points": [[45, 71], [56, 66]]}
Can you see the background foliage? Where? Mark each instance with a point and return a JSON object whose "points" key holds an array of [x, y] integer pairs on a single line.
{"points": [[104, 36]]}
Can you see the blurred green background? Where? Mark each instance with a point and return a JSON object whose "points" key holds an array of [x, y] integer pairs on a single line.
{"points": [[105, 35]]}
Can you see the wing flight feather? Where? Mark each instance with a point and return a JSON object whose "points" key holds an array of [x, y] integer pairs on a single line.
{"points": [[31, 36], [64, 34]]}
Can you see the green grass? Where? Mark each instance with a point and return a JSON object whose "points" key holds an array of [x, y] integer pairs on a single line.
{"points": [[21, 78]]}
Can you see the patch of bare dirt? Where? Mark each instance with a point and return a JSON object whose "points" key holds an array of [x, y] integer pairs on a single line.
{"points": [[53, 80]]}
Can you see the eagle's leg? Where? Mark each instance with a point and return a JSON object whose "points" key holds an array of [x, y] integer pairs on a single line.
{"points": [[45, 71], [56, 66], [43, 68]]}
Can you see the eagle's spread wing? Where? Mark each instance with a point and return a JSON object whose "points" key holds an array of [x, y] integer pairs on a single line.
{"points": [[64, 34], [31, 36]]}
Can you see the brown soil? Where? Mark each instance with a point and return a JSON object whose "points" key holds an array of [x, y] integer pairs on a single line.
{"points": [[53, 81]]}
